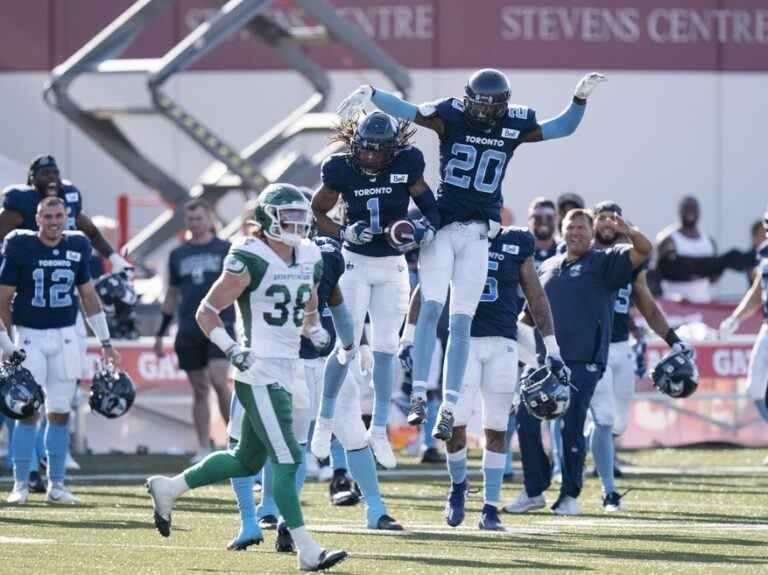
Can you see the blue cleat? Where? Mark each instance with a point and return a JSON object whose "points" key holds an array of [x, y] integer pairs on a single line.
{"points": [[454, 507], [250, 534], [489, 519]]}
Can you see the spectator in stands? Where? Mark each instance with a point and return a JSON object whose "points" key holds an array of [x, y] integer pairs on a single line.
{"points": [[685, 239], [567, 202]]}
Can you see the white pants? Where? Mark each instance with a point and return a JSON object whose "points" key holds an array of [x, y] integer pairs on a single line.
{"points": [[53, 357], [757, 374], [348, 423], [305, 389], [380, 287], [458, 256], [614, 392], [492, 372]]}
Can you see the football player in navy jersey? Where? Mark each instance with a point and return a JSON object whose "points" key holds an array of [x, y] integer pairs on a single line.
{"points": [[755, 298], [39, 274], [493, 368], [20, 202], [478, 135], [376, 178], [611, 401]]}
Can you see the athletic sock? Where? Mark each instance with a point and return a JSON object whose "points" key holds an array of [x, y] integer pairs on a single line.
{"points": [[56, 446], [602, 451], [457, 465], [267, 506], [338, 455], [362, 467], [493, 475], [383, 382], [333, 378], [22, 448], [456, 356], [246, 506], [301, 472], [424, 341]]}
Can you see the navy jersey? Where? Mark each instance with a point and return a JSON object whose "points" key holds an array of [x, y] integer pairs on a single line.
{"points": [[581, 294], [333, 267], [499, 305], [473, 162], [45, 277], [762, 268], [540, 256], [193, 268], [24, 200], [620, 329], [379, 200]]}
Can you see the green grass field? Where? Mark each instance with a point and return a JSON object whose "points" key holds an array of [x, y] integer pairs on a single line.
{"points": [[692, 511]]}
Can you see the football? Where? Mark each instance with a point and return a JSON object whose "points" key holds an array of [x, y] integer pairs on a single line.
{"points": [[400, 233]]}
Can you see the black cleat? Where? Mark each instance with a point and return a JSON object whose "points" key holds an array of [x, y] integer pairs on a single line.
{"points": [[284, 541], [444, 425], [387, 523], [432, 455], [489, 519], [417, 413], [327, 560], [268, 522], [36, 483], [342, 490], [163, 525]]}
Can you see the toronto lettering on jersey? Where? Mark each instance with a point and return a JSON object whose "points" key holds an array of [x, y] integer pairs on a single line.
{"points": [[495, 256], [484, 141], [372, 191], [54, 263]]}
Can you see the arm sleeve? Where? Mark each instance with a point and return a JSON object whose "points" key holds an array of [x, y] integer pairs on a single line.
{"points": [[330, 277], [617, 267], [9, 270], [565, 124], [393, 105]]}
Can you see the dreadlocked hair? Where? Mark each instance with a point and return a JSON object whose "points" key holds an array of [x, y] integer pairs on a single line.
{"points": [[345, 130]]}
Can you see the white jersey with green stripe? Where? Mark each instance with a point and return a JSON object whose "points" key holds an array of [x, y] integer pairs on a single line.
{"points": [[271, 308]]}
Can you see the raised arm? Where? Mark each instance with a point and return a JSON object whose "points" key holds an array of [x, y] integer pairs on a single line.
{"points": [[392, 105], [569, 119]]}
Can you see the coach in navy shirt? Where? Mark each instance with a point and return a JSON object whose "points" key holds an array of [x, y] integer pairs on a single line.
{"points": [[581, 285]]}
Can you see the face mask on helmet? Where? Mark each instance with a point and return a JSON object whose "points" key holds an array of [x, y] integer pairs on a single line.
{"points": [[374, 144], [112, 392], [543, 394], [20, 395], [485, 100], [291, 223]]}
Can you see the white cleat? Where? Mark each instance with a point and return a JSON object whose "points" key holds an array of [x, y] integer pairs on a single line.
{"points": [[522, 503], [382, 449], [19, 495], [58, 495], [321, 438], [325, 560], [201, 454], [161, 491], [71, 464], [567, 505]]}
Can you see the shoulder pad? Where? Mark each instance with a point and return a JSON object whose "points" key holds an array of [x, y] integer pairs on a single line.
{"points": [[19, 233], [17, 188], [520, 238], [518, 112]]}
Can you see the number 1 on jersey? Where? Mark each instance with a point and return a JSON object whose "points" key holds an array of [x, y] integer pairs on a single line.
{"points": [[373, 208]]}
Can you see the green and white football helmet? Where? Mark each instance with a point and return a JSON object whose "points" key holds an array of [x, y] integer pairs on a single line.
{"points": [[283, 213]]}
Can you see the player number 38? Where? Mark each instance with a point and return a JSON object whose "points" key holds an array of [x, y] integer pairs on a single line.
{"points": [[282, 298]]}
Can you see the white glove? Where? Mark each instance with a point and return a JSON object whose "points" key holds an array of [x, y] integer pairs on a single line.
{"points": [[365, 360], [587, 84], [120, 264], [355, 102], [318, 337], [358, 233], [346, 354], [241, 358], [729, 326]]}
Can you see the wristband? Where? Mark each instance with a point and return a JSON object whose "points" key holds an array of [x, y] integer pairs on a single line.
{"points": [[98, 323], [550, 343], [671, 338], [408, 333], [164, 323], [222, 339]]}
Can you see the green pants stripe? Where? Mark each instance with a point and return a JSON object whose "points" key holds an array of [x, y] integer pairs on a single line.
{"points": [[267, 431]]}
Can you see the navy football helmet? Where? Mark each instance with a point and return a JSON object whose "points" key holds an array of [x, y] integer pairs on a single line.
{"points": [[374, 144], [486, 98], [119, 298], [544, 395], [112, 392], [20, 395], [676, 375]]}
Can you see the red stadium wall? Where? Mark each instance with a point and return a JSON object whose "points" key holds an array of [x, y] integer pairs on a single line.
{"points": [[607, 34]]}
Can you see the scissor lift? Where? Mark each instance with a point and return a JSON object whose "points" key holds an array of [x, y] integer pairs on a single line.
{"points": [[242, 171]]}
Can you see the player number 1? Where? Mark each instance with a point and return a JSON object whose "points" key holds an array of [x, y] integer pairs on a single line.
{"points": [[373, 207]]}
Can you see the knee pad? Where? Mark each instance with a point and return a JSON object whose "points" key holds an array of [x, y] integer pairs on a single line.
{"points": [[351, 433], [496, 411]]}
